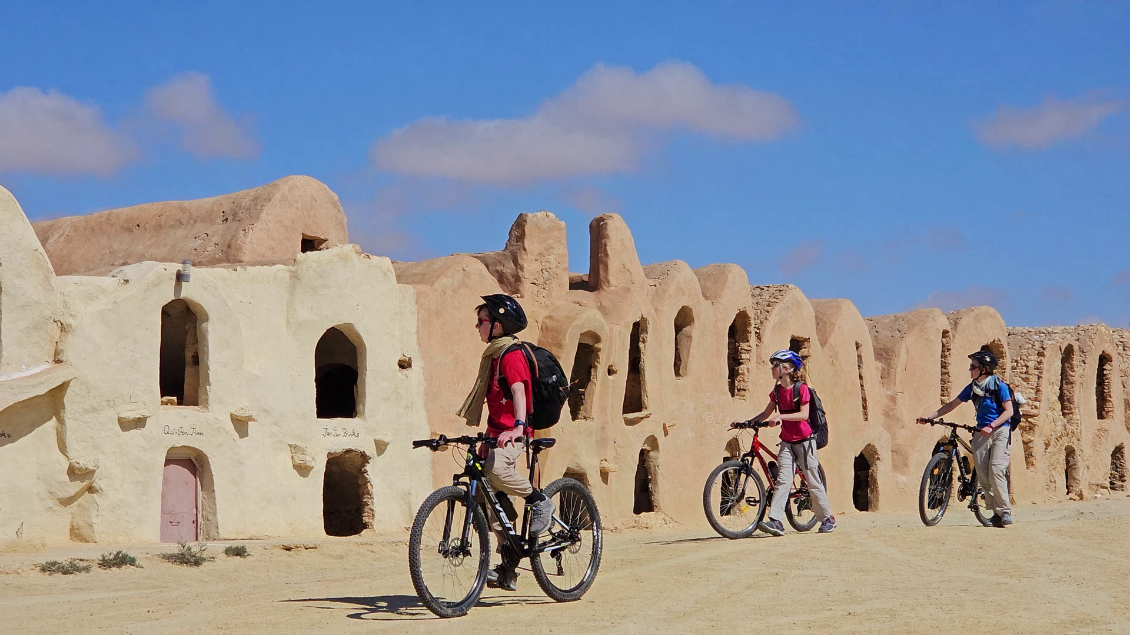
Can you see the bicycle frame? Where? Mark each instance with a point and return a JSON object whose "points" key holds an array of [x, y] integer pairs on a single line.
{"points": [[964, 478], [472, 479], [755, 450]]}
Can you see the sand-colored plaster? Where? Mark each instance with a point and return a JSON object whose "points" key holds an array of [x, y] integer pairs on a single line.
{"points": [[81, 408], [266, 223]]}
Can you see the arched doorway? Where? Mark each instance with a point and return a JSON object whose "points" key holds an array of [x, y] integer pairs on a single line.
{"points": [[647, 477], [865, 487], [347, 494], [188, 507]]}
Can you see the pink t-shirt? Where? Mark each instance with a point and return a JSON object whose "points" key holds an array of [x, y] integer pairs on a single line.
{"points": [[792, 431]]}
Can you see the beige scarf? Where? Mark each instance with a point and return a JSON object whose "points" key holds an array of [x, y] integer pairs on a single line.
{"points": [[472, 408]]}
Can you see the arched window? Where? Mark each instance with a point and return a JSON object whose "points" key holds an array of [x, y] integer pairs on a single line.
{"points": [[181, 371], [739, 341], [684, 333], [635, 387], [1067, 382], [862, 387], [337, 374], [1104, 387], [582, 379]]}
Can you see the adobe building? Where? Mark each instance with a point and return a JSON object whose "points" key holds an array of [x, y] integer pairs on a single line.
{"points": [[275, 392]]}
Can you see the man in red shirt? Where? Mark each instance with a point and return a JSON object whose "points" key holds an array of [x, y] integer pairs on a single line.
{"points": [[504, 384]]}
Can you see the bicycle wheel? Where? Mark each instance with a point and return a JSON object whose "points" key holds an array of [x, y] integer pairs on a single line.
{"points": [[936, 488], [980, 509], [734, 499], [799, 508], [448, 574], [568, 555]]}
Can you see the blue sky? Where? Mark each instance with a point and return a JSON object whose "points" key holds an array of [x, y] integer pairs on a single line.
{"points": [[898, 154]]}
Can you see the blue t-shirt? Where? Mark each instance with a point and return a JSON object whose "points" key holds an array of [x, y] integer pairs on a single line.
{"points": [[988, 412]]}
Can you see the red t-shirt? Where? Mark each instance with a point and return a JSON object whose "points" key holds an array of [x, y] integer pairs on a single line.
{"points": [[792, 431], [500, 410]]}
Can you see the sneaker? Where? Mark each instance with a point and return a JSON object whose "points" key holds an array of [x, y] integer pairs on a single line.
{"points": [[500, 578], [773, 527], [1006, 518], [828, 526], [996, 521], [541, 516]]}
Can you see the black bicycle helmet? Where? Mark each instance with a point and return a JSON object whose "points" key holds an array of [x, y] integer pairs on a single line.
{"points": [[985, 359], [506, 311]]}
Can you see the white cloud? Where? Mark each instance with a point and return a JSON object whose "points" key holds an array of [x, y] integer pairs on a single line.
{"points": [[52, 133], [599, 125], [1051, 122], [802, 257], [206, 130], [963, 299]]}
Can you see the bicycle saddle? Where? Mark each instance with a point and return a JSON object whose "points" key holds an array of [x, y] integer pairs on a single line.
{"points": [[542, 444]]}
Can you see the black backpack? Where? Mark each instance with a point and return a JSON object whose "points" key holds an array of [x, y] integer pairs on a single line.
{"points": [[1017, 401], [816, 417], [550, 388]]}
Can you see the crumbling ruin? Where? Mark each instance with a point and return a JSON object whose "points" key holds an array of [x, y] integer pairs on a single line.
{"points": [[286, 376]]}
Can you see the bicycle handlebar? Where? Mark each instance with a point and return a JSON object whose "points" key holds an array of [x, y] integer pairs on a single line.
{"points": [[436, 444], [748, 425], [950, 424]]}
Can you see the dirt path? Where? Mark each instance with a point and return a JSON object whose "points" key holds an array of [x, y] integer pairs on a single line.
{"points": [[1063, 567]]}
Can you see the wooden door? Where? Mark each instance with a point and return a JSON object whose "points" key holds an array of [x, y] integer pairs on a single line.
{"points": [[178, 501]]}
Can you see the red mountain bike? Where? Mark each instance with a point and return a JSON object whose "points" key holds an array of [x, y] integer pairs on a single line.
{"points": [[735, 497]]}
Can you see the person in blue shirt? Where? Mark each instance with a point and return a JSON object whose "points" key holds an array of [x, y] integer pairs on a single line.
{"points": [[992, 445]]}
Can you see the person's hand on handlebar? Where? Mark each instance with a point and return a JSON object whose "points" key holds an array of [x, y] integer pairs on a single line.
{"points": [[511, 435], [928, 418]]}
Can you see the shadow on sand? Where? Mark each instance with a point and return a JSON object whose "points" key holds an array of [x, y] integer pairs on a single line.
{"points": [[400, 607]]}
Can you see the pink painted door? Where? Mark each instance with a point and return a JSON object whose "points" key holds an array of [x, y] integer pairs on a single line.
{"points": [[178, 501]]}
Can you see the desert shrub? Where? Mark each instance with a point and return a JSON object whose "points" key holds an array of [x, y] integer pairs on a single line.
{"points": [[187, 555], [239, 551], [117, 560], [65, 568]]}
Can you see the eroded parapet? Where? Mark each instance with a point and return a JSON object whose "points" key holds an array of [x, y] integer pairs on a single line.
{"points": [[268, 224], [613, 261], [534, 264]]}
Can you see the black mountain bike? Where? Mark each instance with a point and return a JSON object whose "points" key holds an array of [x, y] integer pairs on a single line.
{"points": [[937, 481], [449, 549]]}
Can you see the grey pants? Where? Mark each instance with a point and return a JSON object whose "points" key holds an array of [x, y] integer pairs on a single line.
{"points": [[789, 458], [992, 454]]}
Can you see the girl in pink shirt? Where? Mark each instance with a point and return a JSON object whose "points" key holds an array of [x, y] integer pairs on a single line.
{"points": [[798, 445]]}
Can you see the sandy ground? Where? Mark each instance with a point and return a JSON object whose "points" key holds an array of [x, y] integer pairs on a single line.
{"points": [[1061, 568]]}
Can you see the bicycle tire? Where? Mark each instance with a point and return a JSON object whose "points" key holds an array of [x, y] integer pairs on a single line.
{"points": [[575, 507], [428, 587], [724, 505], [978, 504], [800, 501], [936, 489]]}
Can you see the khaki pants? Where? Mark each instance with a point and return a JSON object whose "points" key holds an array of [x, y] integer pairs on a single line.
{"points": [[992, 454], [789, 458], [503, 469]]}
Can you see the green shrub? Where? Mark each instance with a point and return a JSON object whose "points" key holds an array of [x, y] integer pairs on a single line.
{"points": [[239, 551], [65, 568], [187, 555], [117, 560]]}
